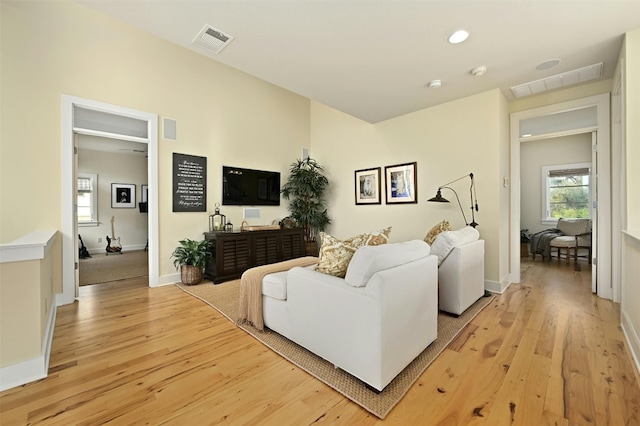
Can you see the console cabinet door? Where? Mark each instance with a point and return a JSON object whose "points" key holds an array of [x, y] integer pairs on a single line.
{"points": [[292, 244], [235, 252], [265, 248]]}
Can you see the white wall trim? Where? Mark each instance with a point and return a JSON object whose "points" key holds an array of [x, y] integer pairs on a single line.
{"points": [[603, 126], [103, 251], [32, 369], [168, 279], [496, 287], [633, 341], [69, 239], [32, 246]]}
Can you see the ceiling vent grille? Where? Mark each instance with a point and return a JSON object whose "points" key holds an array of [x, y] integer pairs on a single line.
{"points": [[212, 39], [557, 81]]}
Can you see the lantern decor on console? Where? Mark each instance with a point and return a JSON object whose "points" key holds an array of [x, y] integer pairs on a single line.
{"points": [[217, 221]]}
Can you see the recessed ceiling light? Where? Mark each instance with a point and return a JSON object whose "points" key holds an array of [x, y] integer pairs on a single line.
{"points": [[458, 37], [548, 64], [434, 84]]}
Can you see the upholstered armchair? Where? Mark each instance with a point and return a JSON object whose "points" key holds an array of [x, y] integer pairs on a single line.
{"points": [[567, 239]]}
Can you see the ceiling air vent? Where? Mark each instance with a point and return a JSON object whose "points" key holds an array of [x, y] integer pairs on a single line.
{"points": [[212, 39], [568, 78]]}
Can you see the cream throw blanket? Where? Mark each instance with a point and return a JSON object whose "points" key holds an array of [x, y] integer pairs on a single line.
{"points": [[250, 307]]}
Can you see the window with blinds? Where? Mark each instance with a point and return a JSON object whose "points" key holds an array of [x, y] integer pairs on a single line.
{"points": [[87, 199], [566, 191]]}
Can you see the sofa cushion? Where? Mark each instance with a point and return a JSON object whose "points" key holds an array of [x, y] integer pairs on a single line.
{"points": [[436, 230], [563, 241], [335, 255], [448, 240], [574, 226], [368, 260], [275, 285]]}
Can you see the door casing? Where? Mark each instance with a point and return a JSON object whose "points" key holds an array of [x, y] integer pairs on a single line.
{"points": [[603, 182], [69, 233]]}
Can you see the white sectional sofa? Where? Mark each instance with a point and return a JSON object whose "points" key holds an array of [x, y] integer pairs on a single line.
{"points": [[460, 269], [373, 322], [461, 277]]}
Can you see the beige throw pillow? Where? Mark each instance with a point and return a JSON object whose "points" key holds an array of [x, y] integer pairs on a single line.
{"points": [[335, 255], [436, 230]]}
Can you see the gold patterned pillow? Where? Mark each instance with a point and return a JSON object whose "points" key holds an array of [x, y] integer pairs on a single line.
{"points": [[335, 255], [436, 230]]}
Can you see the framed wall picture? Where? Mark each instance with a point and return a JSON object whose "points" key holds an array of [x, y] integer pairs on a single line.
{"points": [[401, 183], [367, 186], [123, 196]]}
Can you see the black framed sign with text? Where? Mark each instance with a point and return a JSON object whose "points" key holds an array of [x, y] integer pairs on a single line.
{"points": [[189, 183]]}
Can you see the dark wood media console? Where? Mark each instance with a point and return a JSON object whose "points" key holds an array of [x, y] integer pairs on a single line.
{"points": [[235, 252]]}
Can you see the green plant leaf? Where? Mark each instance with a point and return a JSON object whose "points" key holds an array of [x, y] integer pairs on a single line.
{"points": [[192, 252]]}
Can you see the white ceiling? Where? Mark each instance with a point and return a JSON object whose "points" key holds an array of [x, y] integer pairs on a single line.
{"points": [[373, 58]]}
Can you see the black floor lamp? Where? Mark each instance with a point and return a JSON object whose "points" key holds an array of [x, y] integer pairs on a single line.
{"points": [[472, 193]]}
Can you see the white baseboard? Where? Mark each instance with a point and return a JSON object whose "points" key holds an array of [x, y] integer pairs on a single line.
{"points": [[168, 279], [496, 287], [32, 369], [633, 341], [103, 250]]}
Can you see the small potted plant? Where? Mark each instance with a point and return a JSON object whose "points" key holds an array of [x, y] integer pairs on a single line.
{"points": [[192, 257]]}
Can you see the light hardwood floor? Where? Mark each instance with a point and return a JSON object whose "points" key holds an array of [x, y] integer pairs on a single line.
{"points": [[546, 352]]}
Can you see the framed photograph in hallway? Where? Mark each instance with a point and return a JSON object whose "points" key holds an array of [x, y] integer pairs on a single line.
{"points": [[401, 183], [367, 185], [123, 196]]}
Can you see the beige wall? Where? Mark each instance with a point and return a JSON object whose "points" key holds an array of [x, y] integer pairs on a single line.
{"points": [[631, 247], [55, 48], [548, 152], [20, 304], [130, 225], [632, 72], [26, 298], [446, 141]]}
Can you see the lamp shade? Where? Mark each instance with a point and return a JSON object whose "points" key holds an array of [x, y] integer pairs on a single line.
{"points": [[439, 198]]}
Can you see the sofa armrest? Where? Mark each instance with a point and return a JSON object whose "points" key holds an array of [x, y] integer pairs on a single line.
{"points": [[461, 277], [580, 240], [378, 328]]}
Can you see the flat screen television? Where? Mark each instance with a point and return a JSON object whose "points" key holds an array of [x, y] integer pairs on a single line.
{"points": [[246, 187]]}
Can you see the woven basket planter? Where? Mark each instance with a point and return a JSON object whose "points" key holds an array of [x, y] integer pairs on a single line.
{"points": [[190, 274], [311, 249]]}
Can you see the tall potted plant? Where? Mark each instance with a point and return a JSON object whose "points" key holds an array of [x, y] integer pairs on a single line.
{"points": [[192, 257], [305, 189]]}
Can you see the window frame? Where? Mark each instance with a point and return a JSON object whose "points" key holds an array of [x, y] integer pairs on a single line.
{"points": [[93, 177], [550, 221]]}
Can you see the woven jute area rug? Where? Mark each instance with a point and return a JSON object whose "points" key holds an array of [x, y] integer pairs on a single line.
{"points": [[224, 298], [101, 268]]}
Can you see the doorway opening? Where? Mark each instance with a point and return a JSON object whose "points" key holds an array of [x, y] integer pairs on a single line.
{"points": [[92, 118], [587, 115], [114, 236]]}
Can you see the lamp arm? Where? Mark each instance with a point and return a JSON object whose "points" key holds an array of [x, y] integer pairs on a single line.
{"points": [[474, 201], [460, 178], [474, 198], [459, 203]]}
